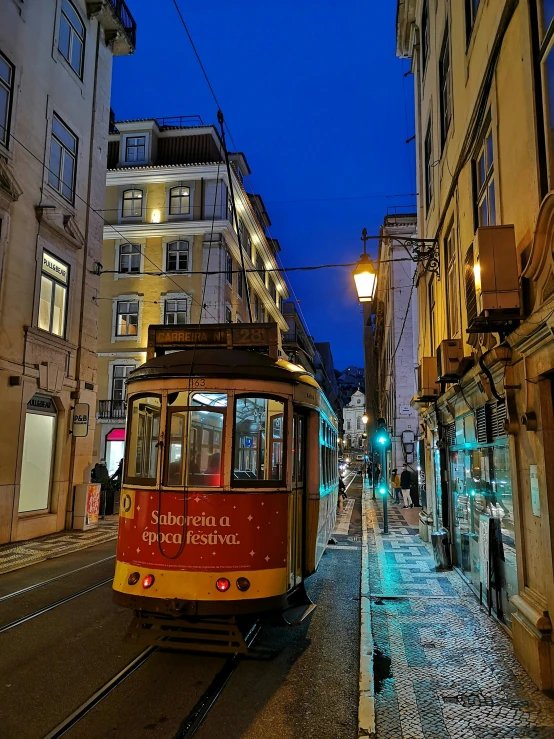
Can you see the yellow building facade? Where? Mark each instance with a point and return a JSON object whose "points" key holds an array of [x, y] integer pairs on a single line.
{"points": [[168, 223], [483, 78], [55, 78]]}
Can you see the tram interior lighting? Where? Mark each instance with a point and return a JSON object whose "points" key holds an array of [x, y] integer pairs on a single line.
{"points": [[134, 577], [148, 581], [223, 584], [243, 584]]}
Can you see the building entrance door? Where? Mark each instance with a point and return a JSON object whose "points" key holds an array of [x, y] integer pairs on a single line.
{"points": [[38, 454]]}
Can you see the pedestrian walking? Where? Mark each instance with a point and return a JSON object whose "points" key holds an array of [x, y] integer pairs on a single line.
{"points": [[100, 474], [405, 483], [395, 484]]}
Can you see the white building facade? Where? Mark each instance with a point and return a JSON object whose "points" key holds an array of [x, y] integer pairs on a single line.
{"points": [[354, 427]]}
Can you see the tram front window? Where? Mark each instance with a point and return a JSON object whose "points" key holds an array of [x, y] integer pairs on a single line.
{"points": [[144, 434], [195, 439], [259, 439]]}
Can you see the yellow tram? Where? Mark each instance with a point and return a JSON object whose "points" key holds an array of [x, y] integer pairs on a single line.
{"points": [[230, 478]]}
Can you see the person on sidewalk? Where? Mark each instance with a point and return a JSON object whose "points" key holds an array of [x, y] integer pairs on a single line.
{"points": [[405, 482], [395, 484], [100, 475]]}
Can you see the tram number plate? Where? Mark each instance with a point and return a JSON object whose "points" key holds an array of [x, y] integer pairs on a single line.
{"points": [[198, 382]]}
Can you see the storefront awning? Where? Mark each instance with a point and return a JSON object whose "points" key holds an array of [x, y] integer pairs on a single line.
{"points": [[116, 435]]}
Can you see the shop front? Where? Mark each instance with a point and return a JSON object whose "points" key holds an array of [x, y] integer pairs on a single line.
{"points": [[482, 515]]}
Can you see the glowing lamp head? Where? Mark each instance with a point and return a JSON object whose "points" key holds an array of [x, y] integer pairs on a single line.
{"points": [[365, 418], [365, 279], [382, 490]]}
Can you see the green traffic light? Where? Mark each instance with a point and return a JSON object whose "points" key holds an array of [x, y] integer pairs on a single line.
{"points": [[383, 490]]}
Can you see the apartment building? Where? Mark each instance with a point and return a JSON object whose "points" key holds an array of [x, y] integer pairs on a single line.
{"points": [[55, 78], [395, 337], [168, 222], [485, 178]]}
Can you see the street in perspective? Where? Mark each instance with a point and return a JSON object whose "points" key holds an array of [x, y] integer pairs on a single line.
{"points": [[277, 369]]}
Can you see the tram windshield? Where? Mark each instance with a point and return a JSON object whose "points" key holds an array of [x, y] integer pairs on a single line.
{"points": [[195, 439], [144, 434], [258, 439]]}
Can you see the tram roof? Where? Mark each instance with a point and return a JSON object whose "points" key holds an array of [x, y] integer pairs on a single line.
{"points": [[231, 363]]}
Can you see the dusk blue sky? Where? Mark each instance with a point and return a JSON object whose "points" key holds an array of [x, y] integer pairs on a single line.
{"points": [[316, 98]]}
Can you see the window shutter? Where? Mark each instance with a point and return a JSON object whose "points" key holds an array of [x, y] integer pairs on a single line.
{"points": [[481, 423], [450, 434], [498, 416], [471, 298]]}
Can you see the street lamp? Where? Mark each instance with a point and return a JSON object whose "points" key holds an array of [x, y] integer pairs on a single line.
{"points": [[365, 419], [365, 276]]}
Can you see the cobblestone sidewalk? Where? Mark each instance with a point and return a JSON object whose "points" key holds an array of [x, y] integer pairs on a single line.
{"points": [[25, 553], [443, 668]]}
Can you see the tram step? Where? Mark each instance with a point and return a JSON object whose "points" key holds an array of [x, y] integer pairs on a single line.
{"points": [[214, 635], [294, 616]]}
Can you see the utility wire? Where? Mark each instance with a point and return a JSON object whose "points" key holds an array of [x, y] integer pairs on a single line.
{"points": [[111, 225]]}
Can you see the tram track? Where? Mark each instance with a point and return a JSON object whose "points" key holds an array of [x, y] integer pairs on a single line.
{"points": [[54, 579], [51, 606], [191, 723]]}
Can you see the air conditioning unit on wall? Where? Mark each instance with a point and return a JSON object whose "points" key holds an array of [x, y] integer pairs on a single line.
{"points": [[496, 276], [428, 387], [450, 354]]}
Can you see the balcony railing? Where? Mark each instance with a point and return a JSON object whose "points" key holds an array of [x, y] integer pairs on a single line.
{"points": [[119, 25], [126, 19], [112, 409]]}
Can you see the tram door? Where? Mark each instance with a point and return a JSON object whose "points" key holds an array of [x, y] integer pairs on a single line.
{"points": [[298, 496]]}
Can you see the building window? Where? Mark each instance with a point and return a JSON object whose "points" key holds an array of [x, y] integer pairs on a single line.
{"points": [[63, 156], [6, 96], [127, 317], [54, 282], [472, 6], [425, 35], [135, 149], [445, 83], [471, 298], [256, 308], [131, 203], [175, 311], [239, 284], [280, 303], [72, 37], [348, 425], [451, 284], [228, 315], [260, 266], [484, 179], [228, 268], [120, 374], [262, 312], [39, 441], [272, 289], [247, 241], [358, 423], [428, 156], [431, 303], [177, 259], [129, 258], [546, 19], [179, 201]]}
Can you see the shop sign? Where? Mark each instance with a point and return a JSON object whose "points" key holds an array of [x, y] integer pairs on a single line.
{"points": [[535, 495], [41, 404], [54, 268], [93, 504], [484, 549], [81, 415]]}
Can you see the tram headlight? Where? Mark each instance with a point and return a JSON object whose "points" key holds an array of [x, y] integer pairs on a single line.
{"points": [[243, 584], [133, 578], [148, 581], [223, 584]]}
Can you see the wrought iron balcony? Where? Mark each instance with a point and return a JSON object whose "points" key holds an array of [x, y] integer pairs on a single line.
{"points": [[120, 27], [112, 410]]}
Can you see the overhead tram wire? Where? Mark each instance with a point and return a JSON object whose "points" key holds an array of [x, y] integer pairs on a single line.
{"points": [[162, 272], [234, 215]]}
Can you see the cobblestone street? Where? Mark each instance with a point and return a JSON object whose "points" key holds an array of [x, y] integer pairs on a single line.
{"points": [[443, 668]]}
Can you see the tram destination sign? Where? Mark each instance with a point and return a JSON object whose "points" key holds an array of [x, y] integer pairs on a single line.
{"points": [[264, 336]]}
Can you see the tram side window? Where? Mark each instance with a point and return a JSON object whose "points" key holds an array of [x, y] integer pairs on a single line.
{"points": [[142, 455], [259, 437], [196, 440]]}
